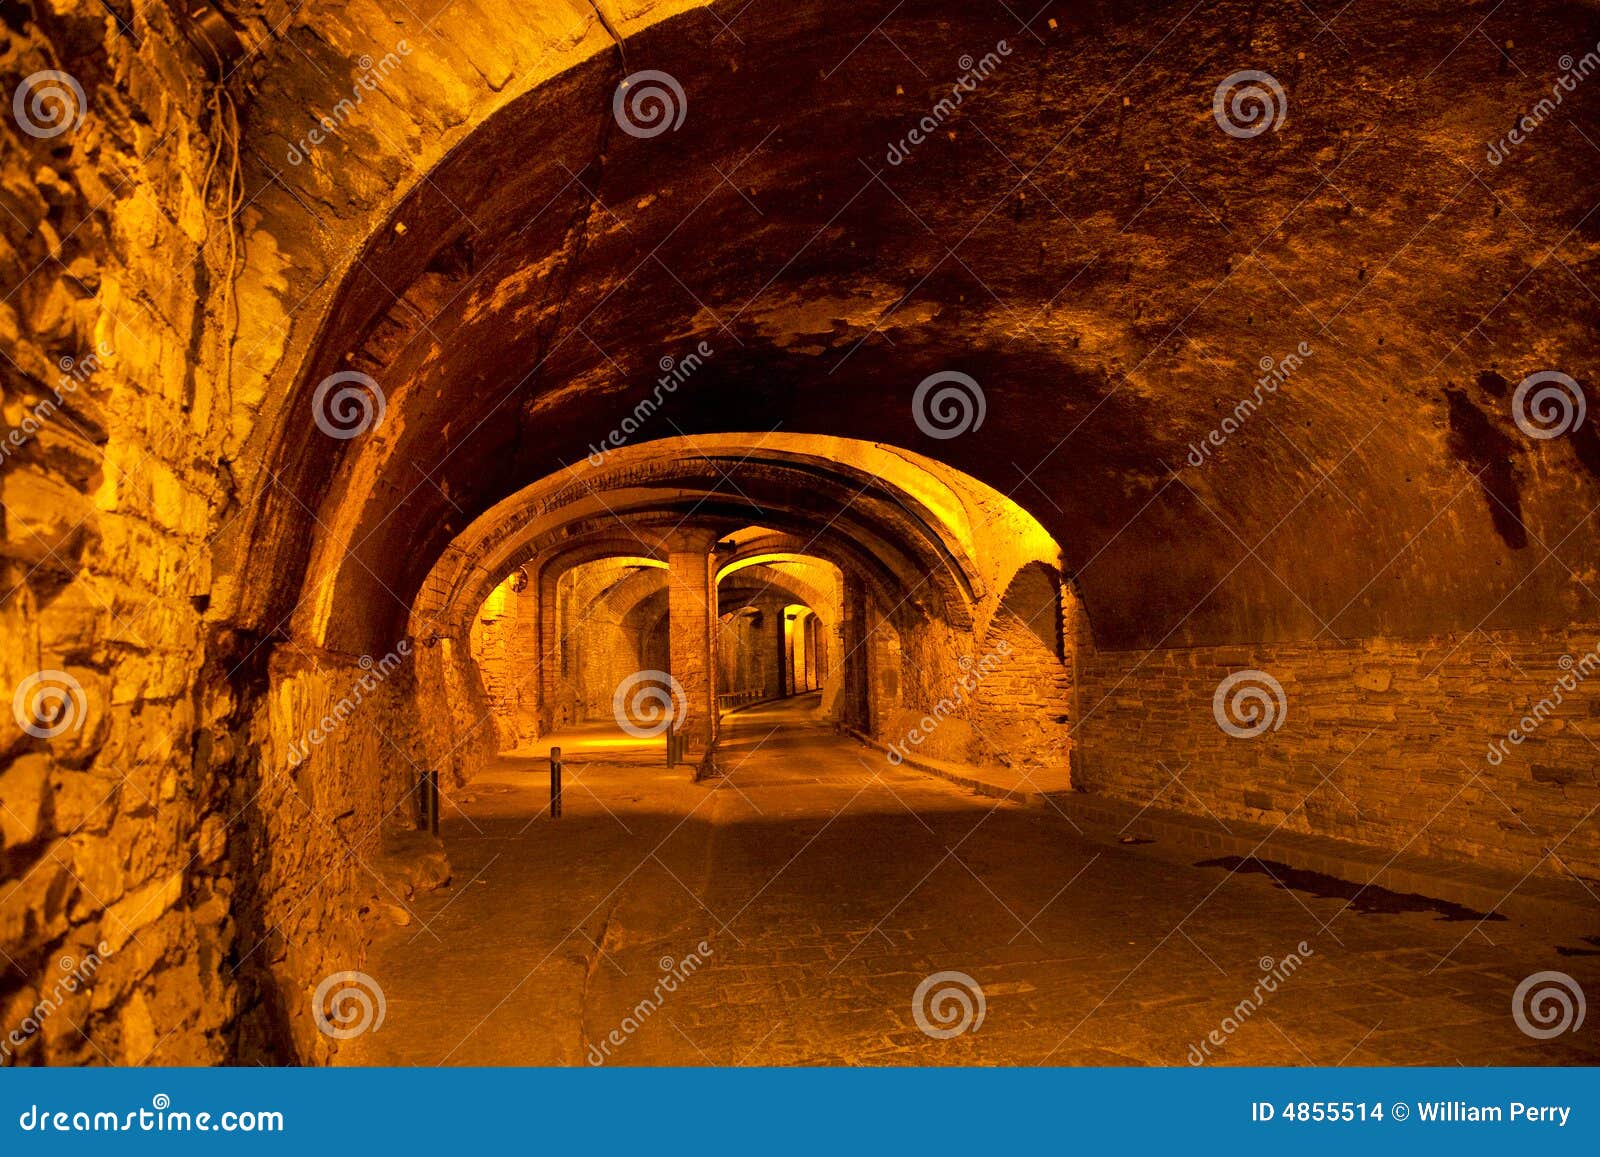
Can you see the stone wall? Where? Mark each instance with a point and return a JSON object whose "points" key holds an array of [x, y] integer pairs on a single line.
{"points": [[115, 768], [1385, 742], [324, 848], [159, 848]]}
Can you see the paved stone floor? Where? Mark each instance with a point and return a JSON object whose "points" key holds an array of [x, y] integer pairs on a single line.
{"points": [[826, 885]]}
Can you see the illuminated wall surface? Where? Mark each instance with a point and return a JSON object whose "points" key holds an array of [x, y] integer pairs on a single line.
{"points": [[1059, 537]]}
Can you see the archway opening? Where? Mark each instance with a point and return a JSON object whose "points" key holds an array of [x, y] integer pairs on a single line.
{"points": [[686, 578]]}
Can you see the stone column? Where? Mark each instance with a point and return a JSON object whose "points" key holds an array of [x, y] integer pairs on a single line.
{"points": [[548, 644], [523, 656], [691, 627], [855, 707], [780, 648]]}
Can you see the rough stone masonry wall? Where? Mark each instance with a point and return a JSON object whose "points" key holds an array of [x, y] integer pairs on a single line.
{"points": [[332, 845], [114, 848], [155, 847], [1400, 729], [493, 644], [1023, 706]]}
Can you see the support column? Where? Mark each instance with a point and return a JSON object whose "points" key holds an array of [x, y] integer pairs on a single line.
{"points": [[523, 656], [856, 708], [549, 651], [782, 650], [691, 629]]}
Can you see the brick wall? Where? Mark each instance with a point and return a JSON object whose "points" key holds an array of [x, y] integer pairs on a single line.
{"points": [[1385, 742]]}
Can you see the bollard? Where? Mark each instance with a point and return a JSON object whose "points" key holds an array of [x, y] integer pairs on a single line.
{"points": [[555, 783], [428, 802], [672, 748]]}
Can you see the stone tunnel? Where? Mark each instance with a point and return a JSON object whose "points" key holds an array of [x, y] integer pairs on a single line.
{"points": [[1095, 502]]}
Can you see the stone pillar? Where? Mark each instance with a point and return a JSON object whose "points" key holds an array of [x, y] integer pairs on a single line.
{"points": [[691, 627], [522, 654], [1076, 645], [549, 651], [855, 707], [780, 648]]}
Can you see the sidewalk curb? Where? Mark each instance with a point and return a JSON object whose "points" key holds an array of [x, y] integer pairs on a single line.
{"points": [[1557, 904]]}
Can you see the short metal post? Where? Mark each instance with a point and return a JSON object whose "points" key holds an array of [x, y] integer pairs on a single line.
{"points": [[672, 748], [428, 802], [555, 783]]}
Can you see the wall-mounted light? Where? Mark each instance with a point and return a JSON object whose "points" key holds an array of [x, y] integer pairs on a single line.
{"points": [[204, 26]]}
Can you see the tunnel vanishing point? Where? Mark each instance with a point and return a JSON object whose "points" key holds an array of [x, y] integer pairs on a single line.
{"points": [[1057, 536]]}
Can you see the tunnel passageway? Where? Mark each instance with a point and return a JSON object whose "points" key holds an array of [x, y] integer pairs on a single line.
{"points": [[817, 886], [942, 458]]}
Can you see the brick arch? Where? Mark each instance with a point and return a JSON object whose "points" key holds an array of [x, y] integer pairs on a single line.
{"points": [[917, 552]]}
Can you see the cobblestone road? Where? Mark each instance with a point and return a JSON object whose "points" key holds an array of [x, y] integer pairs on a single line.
{"points": [[827, 885]]}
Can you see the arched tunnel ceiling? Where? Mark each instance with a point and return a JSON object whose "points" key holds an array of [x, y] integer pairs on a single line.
{"points": [[1081, 238], [903, 525]]}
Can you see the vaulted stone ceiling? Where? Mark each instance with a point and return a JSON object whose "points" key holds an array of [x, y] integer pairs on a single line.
{"points": [[1081, 238]]}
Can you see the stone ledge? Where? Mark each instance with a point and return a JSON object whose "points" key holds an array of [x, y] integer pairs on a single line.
{"points": [[1564, 905]]}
